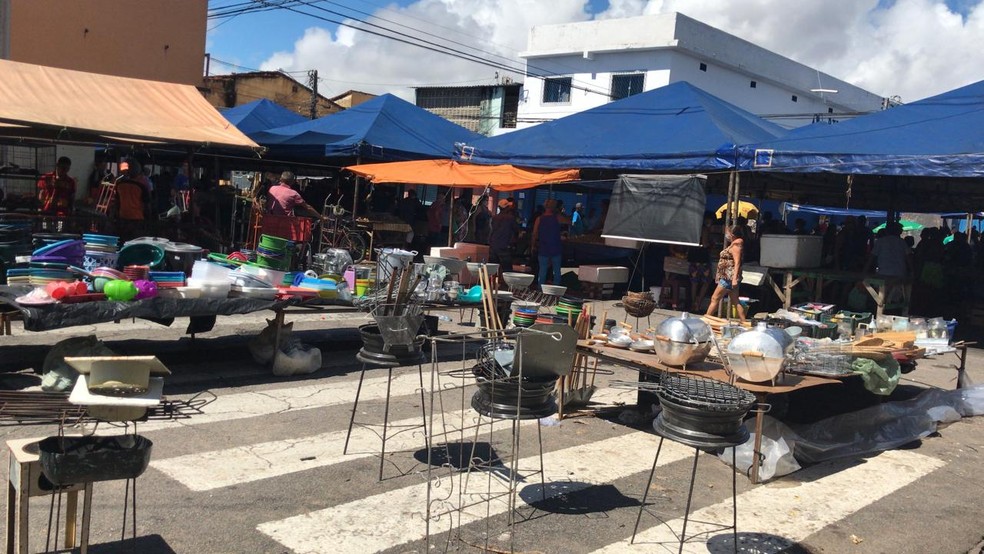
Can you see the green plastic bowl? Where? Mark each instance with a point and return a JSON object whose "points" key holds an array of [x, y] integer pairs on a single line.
{"points": [[141, 253], [273, 243]]}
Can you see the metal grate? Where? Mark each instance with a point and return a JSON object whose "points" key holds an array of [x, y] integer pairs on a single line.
{"points": [[703, 393], [35, 408]]}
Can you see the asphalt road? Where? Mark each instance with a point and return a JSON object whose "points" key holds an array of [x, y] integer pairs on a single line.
{"points": [[261, 468]]}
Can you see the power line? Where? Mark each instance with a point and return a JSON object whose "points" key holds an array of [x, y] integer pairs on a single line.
{"points": [[410, 40]]}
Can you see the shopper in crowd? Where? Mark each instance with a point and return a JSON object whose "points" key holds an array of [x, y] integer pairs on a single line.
{"points": [[890, 256], [502, 236], [577, 220], [546, 241], [729, 272], [699, 263], [282, 199], [56, 190]]}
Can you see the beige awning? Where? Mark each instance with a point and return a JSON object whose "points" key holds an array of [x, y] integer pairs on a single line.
{"points": [[48, 103]]}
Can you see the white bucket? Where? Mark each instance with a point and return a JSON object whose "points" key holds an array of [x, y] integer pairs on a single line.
{"points": [[391, 259]]}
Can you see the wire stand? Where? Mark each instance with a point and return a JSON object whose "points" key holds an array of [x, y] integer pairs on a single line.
{"points": [[385, 434], [456, 491], [690, 493]]}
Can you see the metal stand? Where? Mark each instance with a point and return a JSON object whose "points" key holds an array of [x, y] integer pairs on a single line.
{"points": [[690, 494], [385, 435], [451, 496]]}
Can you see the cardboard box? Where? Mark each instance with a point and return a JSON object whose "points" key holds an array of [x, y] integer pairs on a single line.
{"points": [[790, 251]]}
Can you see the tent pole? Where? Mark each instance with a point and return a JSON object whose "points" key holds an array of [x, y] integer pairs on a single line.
{"points": [[355, 195], [451, 220]]}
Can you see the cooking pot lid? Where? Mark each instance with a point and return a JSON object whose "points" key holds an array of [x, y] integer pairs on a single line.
{"points": [[685, 328]]}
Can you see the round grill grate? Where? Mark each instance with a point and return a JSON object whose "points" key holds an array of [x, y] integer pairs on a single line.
{"points": [[703, 393]]}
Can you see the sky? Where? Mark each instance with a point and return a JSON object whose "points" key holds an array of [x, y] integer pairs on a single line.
{"points": [[911, 49]]}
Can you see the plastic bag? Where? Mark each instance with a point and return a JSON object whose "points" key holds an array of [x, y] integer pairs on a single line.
{"points": [[879, 378], [59, 376], [297, 359], [778, 442]]}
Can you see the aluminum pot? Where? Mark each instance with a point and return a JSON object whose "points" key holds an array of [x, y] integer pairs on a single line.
{"points": [[765, 340], [682, 340], [675, 353]]}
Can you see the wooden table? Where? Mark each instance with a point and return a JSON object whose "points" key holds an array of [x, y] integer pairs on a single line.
{"points": [[649, 363], [877, 287]]}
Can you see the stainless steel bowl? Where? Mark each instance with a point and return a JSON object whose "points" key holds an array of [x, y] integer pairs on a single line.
{"points": [[768, 341], [677, 353]]}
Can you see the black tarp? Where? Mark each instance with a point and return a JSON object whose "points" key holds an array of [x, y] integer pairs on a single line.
{"points": [[159, 310], [657, 208]]}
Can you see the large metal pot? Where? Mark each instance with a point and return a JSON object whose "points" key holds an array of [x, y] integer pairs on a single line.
{"points": [[759, 354], [682, 340], [768, 341]]}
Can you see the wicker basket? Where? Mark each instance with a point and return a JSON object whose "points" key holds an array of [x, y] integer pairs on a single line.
{"points": [[638, 306]]}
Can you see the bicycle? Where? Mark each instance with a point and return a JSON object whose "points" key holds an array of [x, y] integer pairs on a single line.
{"points": [[338, 233]]}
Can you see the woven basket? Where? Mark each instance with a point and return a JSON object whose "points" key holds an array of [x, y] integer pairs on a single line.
{"points": [[638, 306]]}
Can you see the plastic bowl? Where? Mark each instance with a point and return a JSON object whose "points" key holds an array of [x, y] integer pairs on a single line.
{"points": [[554, 290], [518, 280], [141, 253]]}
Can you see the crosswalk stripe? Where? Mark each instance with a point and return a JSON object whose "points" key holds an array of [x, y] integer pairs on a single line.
{"points": [[793, 513], [253, 462], [347, 529], [274, 401]]}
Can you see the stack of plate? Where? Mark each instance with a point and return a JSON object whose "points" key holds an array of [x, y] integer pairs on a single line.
{"points": [[137, 272], [168, 279], [569, 306], [19, 276], [273, 253], [100, 251], [42, 273], [67, 252]]}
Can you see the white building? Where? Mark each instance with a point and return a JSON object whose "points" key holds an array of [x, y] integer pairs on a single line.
{"points": [[584, 65]]}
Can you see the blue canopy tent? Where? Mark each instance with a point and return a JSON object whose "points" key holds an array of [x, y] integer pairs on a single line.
{"points": [[385, 128], [676, 128], [935, 137], [261, 115]]}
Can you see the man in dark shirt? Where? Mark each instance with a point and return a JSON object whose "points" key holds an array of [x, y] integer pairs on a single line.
{"points": [[502, 235]]}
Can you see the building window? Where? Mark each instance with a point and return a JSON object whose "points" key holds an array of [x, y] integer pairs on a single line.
{"points": [[753, 84], [557, 90], [624, 86], [795, 99], [703, 67], [830, 110]]}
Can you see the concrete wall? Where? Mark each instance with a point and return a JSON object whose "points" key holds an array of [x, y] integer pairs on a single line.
{"points": [[670, 48], [248, 87], [161, 40]]}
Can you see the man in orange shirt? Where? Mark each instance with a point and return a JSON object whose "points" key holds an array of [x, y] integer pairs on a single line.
{"points": [[56, 190]]}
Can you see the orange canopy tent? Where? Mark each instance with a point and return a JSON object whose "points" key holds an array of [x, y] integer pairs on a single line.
{"points": [[450, 173], [62, 105]]}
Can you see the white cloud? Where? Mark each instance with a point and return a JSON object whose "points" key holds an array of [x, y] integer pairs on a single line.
{"points": [[914, 48]]}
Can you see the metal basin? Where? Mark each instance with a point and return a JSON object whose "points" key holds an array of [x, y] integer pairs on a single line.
{"points": [[680, 353]]}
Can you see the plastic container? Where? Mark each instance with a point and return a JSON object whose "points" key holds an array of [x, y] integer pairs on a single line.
{"points": [[788, 251], [205, 271]]}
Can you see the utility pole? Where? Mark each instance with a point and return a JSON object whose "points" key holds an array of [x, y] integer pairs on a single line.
{"points": [[313, 84]]}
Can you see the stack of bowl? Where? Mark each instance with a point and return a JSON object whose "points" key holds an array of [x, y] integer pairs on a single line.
{"points": [[67, 252], [273, 253], [15, 238], [571, 307], [100, 251], [525, 313], [102, 275]]}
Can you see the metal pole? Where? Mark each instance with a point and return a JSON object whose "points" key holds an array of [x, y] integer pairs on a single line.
{"points": [[355, 196]]}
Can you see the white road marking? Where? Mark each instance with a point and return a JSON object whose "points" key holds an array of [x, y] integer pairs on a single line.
{"points": [[347, 528], [252, 462], [306, 397], [793, 513]]}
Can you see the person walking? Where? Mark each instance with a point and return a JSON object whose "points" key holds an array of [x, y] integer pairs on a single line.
{"points": [[729, 272]]}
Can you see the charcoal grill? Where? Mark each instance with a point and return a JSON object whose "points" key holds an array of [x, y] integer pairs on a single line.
{"points": [[701, 412]]}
